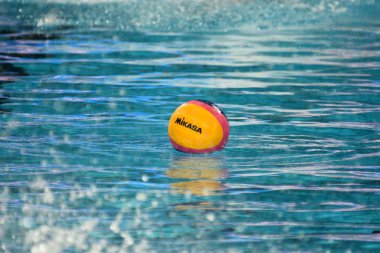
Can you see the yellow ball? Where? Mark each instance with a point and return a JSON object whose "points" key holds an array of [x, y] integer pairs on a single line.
{"points": [[198, 127]]}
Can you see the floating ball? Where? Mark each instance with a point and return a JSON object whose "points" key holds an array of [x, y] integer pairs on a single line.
{"points": [[198, 127]]}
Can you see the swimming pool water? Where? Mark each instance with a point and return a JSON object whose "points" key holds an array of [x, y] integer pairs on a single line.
{"points": [[85, 161]]}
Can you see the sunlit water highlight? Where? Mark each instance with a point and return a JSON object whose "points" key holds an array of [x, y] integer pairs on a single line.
{"points": [[85, 161]]}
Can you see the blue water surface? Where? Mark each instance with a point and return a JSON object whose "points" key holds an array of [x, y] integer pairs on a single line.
{"points": [[86, 92]]}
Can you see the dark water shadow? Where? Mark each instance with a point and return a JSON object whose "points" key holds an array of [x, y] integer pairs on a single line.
{"points": [[9, 72]]}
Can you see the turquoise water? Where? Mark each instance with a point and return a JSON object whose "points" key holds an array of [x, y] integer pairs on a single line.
{"points": [[86, 92]]}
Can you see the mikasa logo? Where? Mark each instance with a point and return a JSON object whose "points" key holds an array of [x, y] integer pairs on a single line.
{"points": [[182, 122]]}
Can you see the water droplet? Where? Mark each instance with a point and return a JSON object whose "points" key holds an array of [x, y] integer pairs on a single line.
{"points": [[145, 178], [141, 196], [27, 222], [210, 217]]}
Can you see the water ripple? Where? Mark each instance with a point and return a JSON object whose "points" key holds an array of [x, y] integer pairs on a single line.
{"points": [[85, 160]]}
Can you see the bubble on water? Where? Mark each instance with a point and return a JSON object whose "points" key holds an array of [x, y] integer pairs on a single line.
{"points": [[48, 196], [112, 105], [52, 152], [94, 161], [74, 193], [88, 225], [59, 106], [210, 217], [154, 203], [43, 163], [51, 133], [39, 183], [66, 138], [48, 20], [122, 92], [78, 192], [115, 225], [127, 239], [145, 178], [141, 196], [12, 124], [27, 222], [91, 192]]}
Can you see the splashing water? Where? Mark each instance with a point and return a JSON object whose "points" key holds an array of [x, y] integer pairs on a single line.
{"points": [[87, 89], [168, 15]]}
